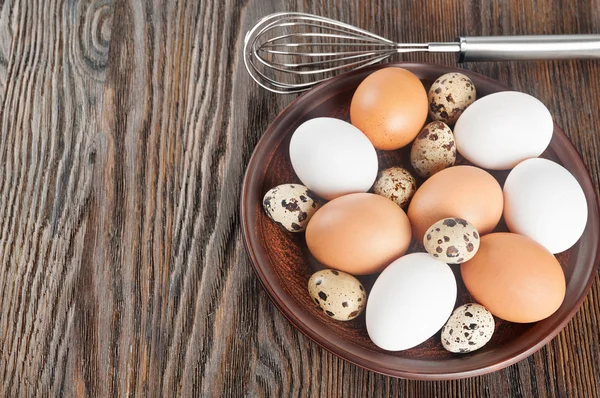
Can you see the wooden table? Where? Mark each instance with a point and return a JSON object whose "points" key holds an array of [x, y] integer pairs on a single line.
{"points": [[125, 130]]}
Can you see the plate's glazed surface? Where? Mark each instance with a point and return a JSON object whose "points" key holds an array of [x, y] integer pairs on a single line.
{"points": [[283, 264]]}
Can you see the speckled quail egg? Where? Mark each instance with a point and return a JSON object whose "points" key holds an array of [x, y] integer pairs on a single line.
{"points": [[452, 240], [291, 206], [449, 96], [396, 184], [340, 295], [469, 328], [433, 150]]}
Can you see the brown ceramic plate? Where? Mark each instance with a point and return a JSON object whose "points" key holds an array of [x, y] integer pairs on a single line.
{"points": [[283, 264]]}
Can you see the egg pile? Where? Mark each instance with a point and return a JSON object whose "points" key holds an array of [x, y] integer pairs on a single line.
{"points": [[360, 219]]}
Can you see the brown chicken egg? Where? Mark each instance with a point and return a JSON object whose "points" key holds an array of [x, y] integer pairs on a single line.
{"points": [[390, 106], [360, 233], [465, 192], [515, 278]]}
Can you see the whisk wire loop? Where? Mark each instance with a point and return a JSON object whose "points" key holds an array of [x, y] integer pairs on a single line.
{"points": [[289, 52], [285, 46]]}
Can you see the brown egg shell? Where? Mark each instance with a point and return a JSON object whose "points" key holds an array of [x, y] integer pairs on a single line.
{"points": [[515, 278], [390, 106], [359, 233], [466, 192]]}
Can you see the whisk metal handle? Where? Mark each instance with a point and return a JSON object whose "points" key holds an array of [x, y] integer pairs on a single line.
{"points": [[506, 48]]}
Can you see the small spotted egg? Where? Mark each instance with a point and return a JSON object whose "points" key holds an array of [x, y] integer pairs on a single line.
{"points": [[396, 184], [452, 240], [433, 150], [449, 96], [291, 206], [340, 295], [469, 328]]}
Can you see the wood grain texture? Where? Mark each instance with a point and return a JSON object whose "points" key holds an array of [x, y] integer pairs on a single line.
{"points": [[6, 39], [125, 131], [48, 122]]}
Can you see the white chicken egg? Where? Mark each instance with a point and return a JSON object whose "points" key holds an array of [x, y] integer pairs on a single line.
{"points": [[410, 301], [333, 158], [543, 201], [502, 129]]}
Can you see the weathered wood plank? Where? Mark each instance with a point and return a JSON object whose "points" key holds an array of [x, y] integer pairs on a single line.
{"points": [[176, 242], [7, 8], [54, 81]]}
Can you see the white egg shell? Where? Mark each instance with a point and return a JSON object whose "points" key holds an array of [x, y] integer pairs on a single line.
{"points": [[340, 295], [291, 206], [433, 149], [469, 328], [410, 301], [396, 184], [333, 158], [542, 200], [502, 129], [452, 240]]}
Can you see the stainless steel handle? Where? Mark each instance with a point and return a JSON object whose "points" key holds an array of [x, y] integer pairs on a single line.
{"points": [[506, 48]]}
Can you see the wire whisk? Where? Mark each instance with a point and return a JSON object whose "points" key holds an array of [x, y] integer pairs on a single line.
{"points": [[290, 52]]}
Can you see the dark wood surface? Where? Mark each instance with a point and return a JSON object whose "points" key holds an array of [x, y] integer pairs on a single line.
{"points": [[125, 129]]}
